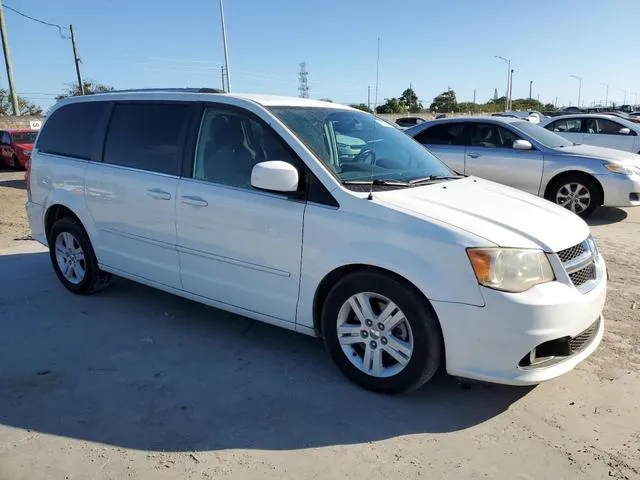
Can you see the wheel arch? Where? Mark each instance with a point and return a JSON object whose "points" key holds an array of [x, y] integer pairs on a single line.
{"points": [[54, 213], [559, 176]]}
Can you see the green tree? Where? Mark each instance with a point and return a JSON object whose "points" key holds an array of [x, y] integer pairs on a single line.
{"points": [[361, 106], [549, 107], [90, 87], [392, 105], [25, 106], [410, 99], [445, 102]]}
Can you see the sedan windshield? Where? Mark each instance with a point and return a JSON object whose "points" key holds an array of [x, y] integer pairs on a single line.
{"points": [[542, 135], [25, 137], [359, 147]]}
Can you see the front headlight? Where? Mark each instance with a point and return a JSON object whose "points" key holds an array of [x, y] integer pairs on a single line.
{"points": [[510, 269], [622, 168]]}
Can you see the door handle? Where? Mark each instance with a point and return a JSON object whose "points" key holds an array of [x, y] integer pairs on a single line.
{"points": [[474, 154], [194, 201], [158, 194]]}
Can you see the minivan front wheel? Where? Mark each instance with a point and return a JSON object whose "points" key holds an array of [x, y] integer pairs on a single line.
{"points": [[381, 333], [73, 258]]}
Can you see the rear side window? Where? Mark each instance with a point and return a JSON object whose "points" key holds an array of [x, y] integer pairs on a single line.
{"points": [[147, 136], [443, 134], [569, 125], [71, 130]]}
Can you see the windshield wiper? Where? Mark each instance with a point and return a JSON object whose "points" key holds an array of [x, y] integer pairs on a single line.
{"points": [[433, 178], [378, 181]]}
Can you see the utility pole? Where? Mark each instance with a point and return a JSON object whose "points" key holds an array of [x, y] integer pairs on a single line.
{"points": [[579, 86], [226, 53], [222, 77], [369, 97], [510, 89], [508, 62], [7, 61], [530, 88], [76, 60], [606, 99]]}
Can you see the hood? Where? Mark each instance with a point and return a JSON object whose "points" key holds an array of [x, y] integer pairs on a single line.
{"points": [[503, 215], [601, 152], [24, 146]]}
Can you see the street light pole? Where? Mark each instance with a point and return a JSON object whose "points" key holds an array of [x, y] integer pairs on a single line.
{"points": [[226, 54], [606, 97], [506, 97], [510, 89], [624, 102], [579, 86], [530, 88]]}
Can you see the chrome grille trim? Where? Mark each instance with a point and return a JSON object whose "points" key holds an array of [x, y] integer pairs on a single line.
{"points": [[571, 252], [579, 262]]}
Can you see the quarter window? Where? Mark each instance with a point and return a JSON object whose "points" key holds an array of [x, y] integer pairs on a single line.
{"points": [[147, 136], [230, 143], [71, 130]]}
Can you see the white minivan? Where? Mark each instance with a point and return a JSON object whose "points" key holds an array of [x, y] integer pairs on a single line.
{"points": [[251, 204]]}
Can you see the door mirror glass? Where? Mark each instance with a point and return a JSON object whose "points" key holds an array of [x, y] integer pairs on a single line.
{"points": [[624, 131], [522, 145], [275, 176]]}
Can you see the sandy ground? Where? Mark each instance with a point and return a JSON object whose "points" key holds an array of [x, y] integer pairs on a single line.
{"points": [[136, 383]]}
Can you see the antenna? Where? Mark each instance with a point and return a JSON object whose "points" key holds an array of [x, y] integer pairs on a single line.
{"points": [[375, 120], [303, 77]]}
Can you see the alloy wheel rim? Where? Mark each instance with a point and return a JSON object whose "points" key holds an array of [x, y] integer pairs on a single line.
{"points": [[70, 258], [574, 196], [374, 334]]}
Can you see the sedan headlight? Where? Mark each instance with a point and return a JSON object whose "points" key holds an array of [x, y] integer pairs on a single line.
{"points": [[510, 269], [622, 168]]}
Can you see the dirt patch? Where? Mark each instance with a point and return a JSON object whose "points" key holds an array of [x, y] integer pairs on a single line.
{"points": [[14, 226]]}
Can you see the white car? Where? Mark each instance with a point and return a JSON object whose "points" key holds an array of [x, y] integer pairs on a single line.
{"points": [[596, 129], [244, 202]]}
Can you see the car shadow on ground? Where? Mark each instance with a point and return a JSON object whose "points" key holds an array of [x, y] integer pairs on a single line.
{"points": [[606, 216], [138, 368], [16, 183]]}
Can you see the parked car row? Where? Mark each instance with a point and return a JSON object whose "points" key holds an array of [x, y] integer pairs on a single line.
{"points": [[326, 220], [528, 157], [15, 147]]}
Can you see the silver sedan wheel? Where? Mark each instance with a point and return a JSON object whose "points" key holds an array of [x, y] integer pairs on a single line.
{"points": [[374, 334], [70, 258], [574, 196]]}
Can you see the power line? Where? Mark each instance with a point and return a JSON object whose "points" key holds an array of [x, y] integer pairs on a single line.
{"points": [[59, 27]]}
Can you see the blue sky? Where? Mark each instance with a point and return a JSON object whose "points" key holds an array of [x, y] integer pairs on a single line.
{"points": [[430, 44]]}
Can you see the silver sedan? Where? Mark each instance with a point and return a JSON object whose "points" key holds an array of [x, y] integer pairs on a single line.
{"points": [[528, 157]]}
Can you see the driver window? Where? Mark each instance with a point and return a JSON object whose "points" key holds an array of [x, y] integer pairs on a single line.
{"points": [[492, 136], [230, 143]]}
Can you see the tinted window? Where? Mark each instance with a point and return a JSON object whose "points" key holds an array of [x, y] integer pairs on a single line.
{"points": [[569, 125], [5, 139], [443, 134], [71, 130], [492, 136], [603, 127], [230, 143], [147, 136], [24, 137]]}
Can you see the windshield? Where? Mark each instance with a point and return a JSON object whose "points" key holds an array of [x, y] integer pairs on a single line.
{"points": [[357, 146], [24, 137], [542, 135]]}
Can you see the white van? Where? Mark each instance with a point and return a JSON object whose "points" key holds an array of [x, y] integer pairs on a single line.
{"points": [[249, 203]]}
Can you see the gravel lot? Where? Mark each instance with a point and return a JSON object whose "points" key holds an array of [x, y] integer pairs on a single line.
{"points": [[136, 383]]}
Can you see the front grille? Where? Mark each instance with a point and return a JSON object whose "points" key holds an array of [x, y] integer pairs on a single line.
{"points": [[581, 340], [583, 275], [569, 254]]}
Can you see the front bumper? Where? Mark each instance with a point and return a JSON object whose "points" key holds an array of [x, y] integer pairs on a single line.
{"points": [[619, 189], [488, 343]]}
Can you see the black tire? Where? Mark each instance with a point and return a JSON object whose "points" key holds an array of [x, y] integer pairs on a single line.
{"points": [[586, 181], [94, 279], [16, 163], [428, 345]]}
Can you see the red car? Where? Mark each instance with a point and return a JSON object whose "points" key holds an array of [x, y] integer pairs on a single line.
{"points": [[15, 147]]}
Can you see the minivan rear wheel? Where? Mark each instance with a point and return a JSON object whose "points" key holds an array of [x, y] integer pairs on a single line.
{"points": [[578, 193], [381, 333], [73, 258]]}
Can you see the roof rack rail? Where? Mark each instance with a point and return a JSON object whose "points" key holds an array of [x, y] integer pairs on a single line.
{"points": [[184, 90]]}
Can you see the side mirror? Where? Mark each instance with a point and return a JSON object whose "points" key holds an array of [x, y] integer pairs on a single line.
{"points": [[522, 145], [624, 131], [275, 176]]}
